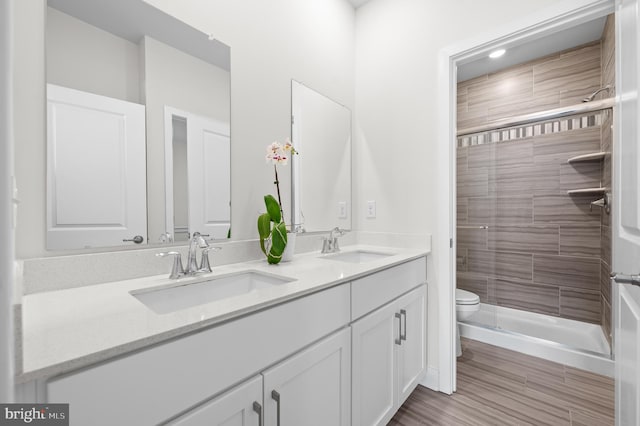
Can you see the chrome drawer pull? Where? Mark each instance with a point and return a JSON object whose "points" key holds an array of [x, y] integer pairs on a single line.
{"points": [[403, 313], [276, 397], [258, 409]]}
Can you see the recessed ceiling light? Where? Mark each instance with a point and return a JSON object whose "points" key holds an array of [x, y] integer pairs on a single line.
{"points": [[497, 53]]}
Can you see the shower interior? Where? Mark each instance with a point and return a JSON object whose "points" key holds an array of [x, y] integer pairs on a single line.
{"points": [[533, 236]]}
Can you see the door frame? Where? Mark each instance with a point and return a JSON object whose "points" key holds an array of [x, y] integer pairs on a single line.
{"points": [[7, 202], [169, 113], [557, 17]]}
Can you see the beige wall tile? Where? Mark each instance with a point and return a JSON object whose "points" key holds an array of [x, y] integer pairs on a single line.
{"points": [[580, 305], [501, 264], [580, 240], [501, 210], [533, 297], [525, 238], [474, 283], [565, 209], [567, 271]]}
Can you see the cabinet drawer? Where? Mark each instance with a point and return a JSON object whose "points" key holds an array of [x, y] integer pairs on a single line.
{"points": [[371, 292], [153, 385]]}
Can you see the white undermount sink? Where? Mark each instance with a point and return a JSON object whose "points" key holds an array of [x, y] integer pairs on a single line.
{"points": [[174, 297], [356, 256]]}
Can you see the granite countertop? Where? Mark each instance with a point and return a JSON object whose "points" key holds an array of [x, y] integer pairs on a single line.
{"points": [[68, 329]]}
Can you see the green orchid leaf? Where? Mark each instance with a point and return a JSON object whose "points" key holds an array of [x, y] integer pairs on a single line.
{"points": [[262, 246], [264, 229], [273, 208], [264, 225], [278, 243]]}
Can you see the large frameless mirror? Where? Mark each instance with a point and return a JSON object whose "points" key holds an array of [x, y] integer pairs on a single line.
{"points": [[138, 127], [321, 172]]}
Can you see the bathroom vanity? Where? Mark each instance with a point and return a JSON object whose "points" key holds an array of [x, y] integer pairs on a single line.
{"points": [[329, 340]]}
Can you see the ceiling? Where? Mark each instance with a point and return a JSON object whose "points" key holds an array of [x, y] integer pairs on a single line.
{"points": [[357, 3], [527, 50], [520, 52]]}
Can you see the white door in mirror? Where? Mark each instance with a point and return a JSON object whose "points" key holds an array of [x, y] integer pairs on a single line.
{"points": [[96, 176], [209, 171]]}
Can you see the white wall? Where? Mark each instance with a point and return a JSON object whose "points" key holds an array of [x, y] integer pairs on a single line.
{"points": [[397, 45], [271, 42], [83, 57]]}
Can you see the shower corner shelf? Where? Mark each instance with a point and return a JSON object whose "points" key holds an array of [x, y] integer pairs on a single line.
{"points": [[594, 156], [587, 191]]}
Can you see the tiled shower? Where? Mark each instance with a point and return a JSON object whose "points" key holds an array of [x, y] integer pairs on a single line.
{"points": [[525, 241]]}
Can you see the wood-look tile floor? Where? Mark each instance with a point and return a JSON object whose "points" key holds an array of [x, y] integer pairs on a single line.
{"points": [[500, 387]]}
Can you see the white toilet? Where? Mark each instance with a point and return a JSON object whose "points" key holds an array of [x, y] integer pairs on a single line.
{"points": [[467, 303]]}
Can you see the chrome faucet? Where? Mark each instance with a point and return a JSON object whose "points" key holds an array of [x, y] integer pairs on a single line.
{"points": [[197, 241], [330, 243], [205, 266], [177, 270]]}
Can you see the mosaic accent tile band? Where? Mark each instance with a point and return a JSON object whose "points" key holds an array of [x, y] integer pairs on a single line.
{"points": [[558, 125]]}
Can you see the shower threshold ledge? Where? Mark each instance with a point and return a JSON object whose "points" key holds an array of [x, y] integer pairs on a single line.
{"points": [[594, 357]]}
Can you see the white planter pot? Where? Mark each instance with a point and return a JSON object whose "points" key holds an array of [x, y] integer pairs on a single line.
{"points": [[290, 248]]}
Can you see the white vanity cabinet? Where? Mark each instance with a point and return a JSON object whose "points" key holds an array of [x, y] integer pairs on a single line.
{"points": [[412, 352], [347, 355], [311, 388], [166, 380], [388, 344]]}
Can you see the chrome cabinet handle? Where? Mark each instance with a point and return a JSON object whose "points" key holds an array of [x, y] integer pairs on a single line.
{"points": [[258, 409], [276, 397], [137, 239], [399, 339], [403, 313]]}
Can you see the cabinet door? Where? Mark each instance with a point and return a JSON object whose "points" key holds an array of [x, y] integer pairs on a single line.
{"points": [[412, 356], [311, 388], [241, 406], [374, 340]]}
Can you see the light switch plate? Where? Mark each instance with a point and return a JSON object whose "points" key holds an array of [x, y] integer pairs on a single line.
{"points": [[371, 209], [342, 209]]}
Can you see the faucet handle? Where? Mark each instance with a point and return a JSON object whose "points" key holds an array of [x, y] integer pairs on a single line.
{"points": [[205, 266], [177, 270], [334, 235], [340, 231], [327, 245]]}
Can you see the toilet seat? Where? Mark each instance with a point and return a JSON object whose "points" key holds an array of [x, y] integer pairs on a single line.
{"points": [[464, 297]]}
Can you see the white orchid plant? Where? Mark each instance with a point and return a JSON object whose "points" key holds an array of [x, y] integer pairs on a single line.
{"points": [[271, 226]]}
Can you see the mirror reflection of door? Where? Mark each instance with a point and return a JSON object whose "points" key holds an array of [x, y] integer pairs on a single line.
{"points": [[95, 186], [198, 187]]}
